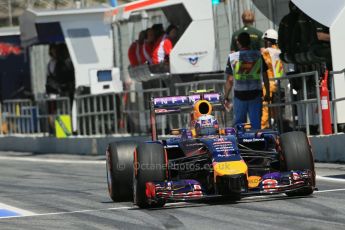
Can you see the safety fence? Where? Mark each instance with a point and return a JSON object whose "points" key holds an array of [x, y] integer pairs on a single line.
{"points": [[117, 113], [301, 108], [18, 116], [25, 116], [49, 111], [296, 107]]}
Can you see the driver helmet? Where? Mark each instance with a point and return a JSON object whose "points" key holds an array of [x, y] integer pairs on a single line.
{"points": [[206, 125]]}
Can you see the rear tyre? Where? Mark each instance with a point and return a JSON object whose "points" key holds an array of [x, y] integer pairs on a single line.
{"points": [[297, 155], [119, 162], [149, 165]]}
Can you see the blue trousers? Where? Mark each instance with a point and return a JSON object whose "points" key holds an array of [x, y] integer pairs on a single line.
{"points": [[251, 107]]}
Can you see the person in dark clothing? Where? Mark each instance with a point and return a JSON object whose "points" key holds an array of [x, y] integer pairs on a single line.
{"points": [[60, 72], [60, 79], [322, 45], [64, 71], [158, 31], [286, 33], [256, 42], [52, 86]]}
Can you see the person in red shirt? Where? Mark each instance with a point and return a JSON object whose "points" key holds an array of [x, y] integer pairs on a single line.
{"points": [[147, 49], [164, 45], [134, 51], [132, 57]]}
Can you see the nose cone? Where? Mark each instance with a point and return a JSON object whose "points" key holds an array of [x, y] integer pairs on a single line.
{"points": [[230, 168]]}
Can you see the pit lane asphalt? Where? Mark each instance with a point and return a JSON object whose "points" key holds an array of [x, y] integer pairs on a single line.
{"points": [[69, 192]]}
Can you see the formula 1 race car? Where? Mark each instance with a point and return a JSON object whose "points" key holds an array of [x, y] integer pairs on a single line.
{"points": [[205, 161]]}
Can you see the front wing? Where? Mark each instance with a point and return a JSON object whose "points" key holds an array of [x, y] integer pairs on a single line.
{"points": [[272, 183]]}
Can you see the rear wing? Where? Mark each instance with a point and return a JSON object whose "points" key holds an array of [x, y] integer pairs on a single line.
{"points": [[182, 104]]}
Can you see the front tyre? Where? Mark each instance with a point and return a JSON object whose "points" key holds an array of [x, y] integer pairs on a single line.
{"points": [[297, 155], [149, 166], [119, 163]]}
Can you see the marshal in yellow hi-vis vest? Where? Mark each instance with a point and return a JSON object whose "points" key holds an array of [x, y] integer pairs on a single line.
{"points": [[63, 126], [275, 63], [275, 70]]}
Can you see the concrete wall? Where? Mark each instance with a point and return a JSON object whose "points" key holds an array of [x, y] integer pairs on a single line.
{"points": [[325, 148], [329, 148], [83, 146]]}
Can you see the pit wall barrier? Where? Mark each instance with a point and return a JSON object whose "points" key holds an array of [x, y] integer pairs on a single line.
{"points": [[328, 148], [72, 145]]}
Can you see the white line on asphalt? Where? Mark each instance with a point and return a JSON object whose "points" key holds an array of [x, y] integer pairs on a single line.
{"points": [[329, 179], [25, 213], [58, 161], [331, 190], [20, 211], [63, 213], [31, 214]]}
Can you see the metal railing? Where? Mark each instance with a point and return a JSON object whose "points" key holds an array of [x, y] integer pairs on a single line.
{"points": [[307, 102], [97, 114], [137, 111], [117, 113], [22, 116], [47, 111], [304, 102], [17, 116]]}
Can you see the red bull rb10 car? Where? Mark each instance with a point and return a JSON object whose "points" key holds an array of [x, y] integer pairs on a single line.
{"points": [[206, 161]]}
